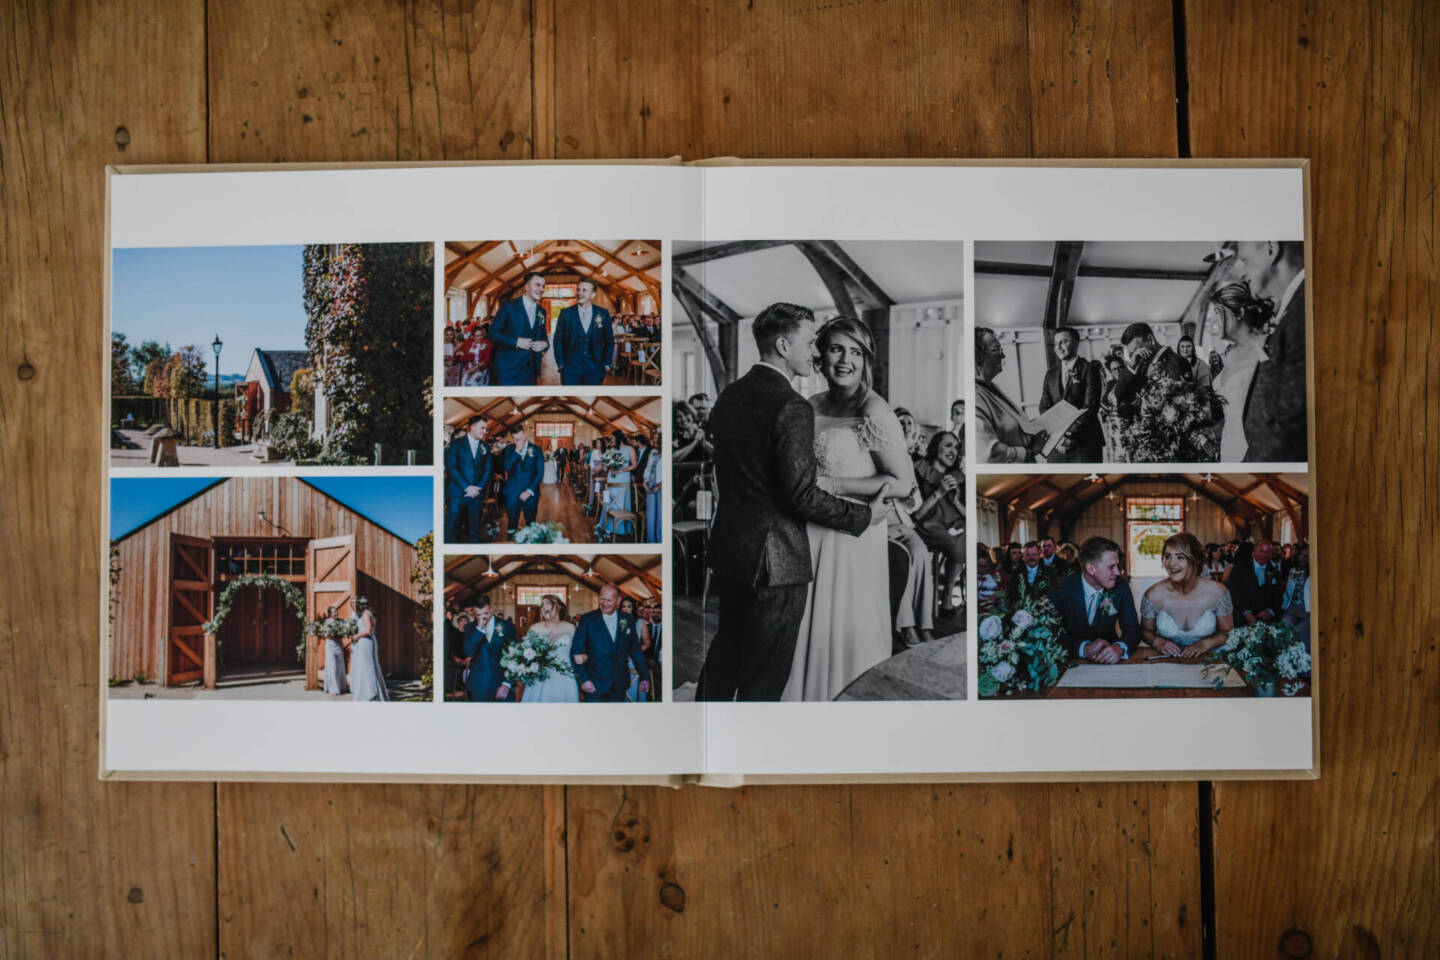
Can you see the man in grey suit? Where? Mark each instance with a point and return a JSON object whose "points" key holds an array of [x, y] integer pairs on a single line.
{"points": [[764, 433]]}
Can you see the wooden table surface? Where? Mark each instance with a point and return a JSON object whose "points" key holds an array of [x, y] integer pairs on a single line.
{"points": [[1346, 866]]}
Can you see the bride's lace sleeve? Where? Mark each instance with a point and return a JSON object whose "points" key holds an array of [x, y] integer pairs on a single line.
{"points": [[1226, 605], [878, 435], [1148, 610]]}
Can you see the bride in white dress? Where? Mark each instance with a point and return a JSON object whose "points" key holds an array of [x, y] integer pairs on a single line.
{"points": [[552, 625], [1185, 615], [1239, 323], [859, 449], [552, 468]]}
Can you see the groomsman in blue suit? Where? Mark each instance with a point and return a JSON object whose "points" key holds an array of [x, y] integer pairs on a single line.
{"points": [[584, 340], [524, 469], [1093, 601], [605, 642], [519, 336], [485, 639], [468, 469]]}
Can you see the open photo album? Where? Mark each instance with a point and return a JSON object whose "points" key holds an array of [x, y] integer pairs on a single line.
{"points": [[717, 472]]}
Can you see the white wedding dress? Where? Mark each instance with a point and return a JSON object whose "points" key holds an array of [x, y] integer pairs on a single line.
{"points": [[1233, 385], [552, 471], [556, 688], [846, 627], [1171, 629]]}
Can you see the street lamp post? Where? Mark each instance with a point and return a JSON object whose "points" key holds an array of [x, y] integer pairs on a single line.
{"points": [[216, 347]]}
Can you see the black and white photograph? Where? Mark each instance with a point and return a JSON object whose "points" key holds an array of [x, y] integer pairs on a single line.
{"points": [[552, 313], [819, 508], [552, 469], [1143, 585], [1140, 352], [566, 628]]}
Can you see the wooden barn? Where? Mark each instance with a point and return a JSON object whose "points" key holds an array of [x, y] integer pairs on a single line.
{"points": [[169, 574]]}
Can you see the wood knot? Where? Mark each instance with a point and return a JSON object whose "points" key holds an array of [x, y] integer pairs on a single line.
{"points": [[25, 371], [1296, 943], [672, 897], [136, 895], [122, 137]]}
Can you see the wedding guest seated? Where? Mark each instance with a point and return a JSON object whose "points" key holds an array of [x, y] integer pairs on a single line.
{"points": [[940, 517], [914, 439], [999, 421], [1069, 552], [1255, 584], [1097, 614], [1199, 369], [1216, 566], [987, 582], [1185, 615], [1032, 579], [1055, 565]]}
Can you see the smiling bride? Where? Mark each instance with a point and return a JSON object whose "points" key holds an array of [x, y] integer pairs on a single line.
{"points": [[1185, 615], [860, 453]]}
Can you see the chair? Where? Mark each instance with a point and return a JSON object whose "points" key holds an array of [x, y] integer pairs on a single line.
{"points": [[626, 516]]}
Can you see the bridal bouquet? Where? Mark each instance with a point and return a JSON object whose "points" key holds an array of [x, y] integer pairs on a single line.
{"points": [[547, 532], [338, 628], [532, 659], [1268, 655], [615, 460], [1177, 422], [1020, 647]]}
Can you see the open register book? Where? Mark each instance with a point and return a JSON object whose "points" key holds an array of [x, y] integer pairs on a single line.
{"points": [[721, 472]]}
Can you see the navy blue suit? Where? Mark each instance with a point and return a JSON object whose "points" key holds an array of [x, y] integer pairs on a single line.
{"points": [[486, 674], [522, 472], [581, 356], [607, 656], [513, 366], [462, 469], [1075, 629]]}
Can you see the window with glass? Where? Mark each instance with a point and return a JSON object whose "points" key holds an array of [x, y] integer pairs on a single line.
{"points": [[554, 428], [1149, 522], [280, 558], [530, 596]]}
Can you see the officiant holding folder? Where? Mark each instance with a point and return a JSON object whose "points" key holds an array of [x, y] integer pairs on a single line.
{"points": [[1004, 432], [1074, 380]]}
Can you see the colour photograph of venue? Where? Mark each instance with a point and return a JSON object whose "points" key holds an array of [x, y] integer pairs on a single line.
{"points": [[316, 355]]}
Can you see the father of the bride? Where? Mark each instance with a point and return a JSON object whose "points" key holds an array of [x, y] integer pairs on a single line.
{"points": [[764, 435], [1090, 606]]}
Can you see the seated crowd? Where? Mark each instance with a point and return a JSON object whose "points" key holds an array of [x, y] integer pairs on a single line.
{"points": [[926, 530], [1250, 583]]}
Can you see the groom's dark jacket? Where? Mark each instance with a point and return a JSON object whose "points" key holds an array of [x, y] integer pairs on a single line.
{"points": [[764, 434], [608, 658], [1275, 414], [486, 674], [1075, 629]]}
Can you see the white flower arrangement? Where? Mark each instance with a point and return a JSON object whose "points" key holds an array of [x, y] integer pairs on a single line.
{"points": [[547, 532]]}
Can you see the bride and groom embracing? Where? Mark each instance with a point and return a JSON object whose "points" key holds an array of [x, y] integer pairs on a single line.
{"points": [[798, 546]]}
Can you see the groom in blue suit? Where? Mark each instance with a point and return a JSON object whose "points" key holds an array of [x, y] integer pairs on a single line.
{"points": [[605, 641], [519, 336], [1090, 606], [468, 469], [584, 340], [524, 469], [485, 639]]}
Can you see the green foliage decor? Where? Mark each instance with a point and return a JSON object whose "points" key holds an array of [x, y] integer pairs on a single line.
{"points": [[294, 599], [290, 436], [370, 312], [422, 575]]}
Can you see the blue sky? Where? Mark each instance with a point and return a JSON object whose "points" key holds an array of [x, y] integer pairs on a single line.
{"points": [[401, 505], [250, 296]]}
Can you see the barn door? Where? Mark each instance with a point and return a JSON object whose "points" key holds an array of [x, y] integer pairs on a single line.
{"points": [[191, 597], [330, 579]]}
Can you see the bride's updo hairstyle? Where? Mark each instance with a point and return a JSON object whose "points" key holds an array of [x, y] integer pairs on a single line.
{"points": [[1189, 547], [1244, 307], [555, 602], [857, 331]]}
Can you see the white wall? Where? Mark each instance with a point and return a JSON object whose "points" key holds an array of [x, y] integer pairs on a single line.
{"points": [[1024, 373]]}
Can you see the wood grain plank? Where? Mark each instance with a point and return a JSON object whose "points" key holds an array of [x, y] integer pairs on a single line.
{"points": [[1353, 87], [86, 868], [370, 81], [366, 869], [1104, 869]]}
